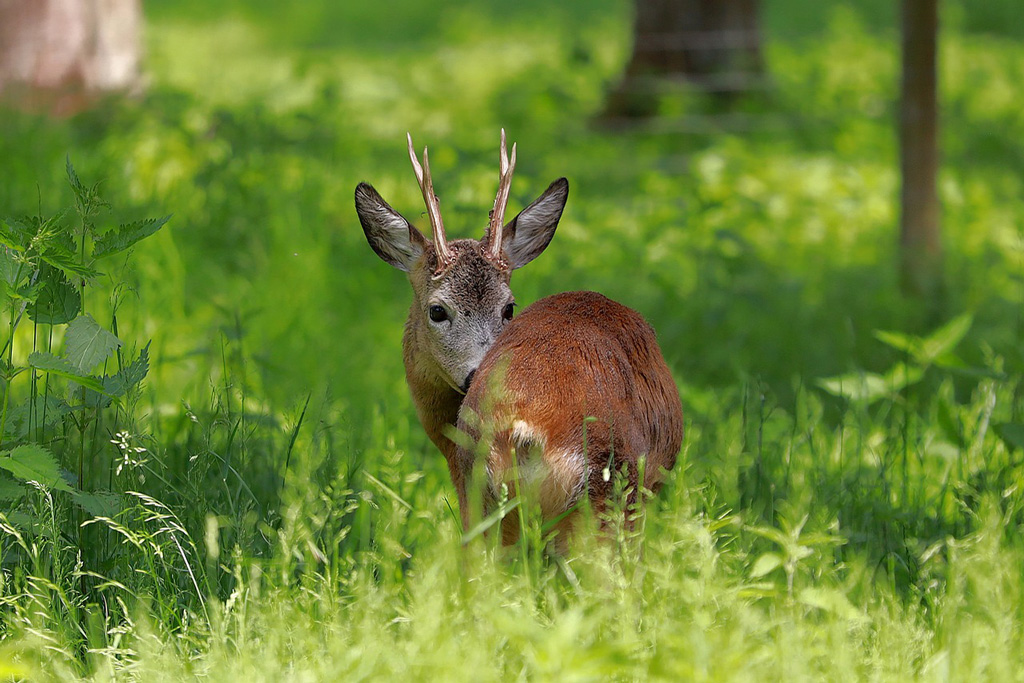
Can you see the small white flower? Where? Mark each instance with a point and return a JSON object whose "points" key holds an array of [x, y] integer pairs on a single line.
{"points": [[131, 455]]}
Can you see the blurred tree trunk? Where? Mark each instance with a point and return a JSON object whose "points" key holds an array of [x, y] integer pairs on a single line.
{"points": [[713, 44], [920, 243], [58, 55]]}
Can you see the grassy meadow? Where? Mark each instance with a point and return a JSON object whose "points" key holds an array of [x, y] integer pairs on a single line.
{"points": [[210, 464]]}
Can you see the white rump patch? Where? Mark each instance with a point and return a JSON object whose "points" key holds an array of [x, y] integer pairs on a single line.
{"points": [[558, 477], [565, 483], [526, 436]]}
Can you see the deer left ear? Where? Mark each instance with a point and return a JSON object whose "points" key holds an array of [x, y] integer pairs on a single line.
{"points": [[392, 237], [528, 234]]}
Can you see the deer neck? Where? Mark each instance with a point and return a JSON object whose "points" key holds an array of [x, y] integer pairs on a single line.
{"points": [[437, 404]]}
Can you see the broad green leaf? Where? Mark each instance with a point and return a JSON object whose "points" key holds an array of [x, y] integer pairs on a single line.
{"points": [[9, 267], [830, 600], [17, 234], [776, 536], [87, 198], [944, 339], [27, 292], [817, 538], [899, 341], [901, 375], [58, 301], [1012, 434], [868, 387], [35, 231], [34, 463], [10, 489], [127, 235], [856, 386], [9, 236], [120, 382], [79, 189], [47, 362], [41, 411], [86, 344], [937, 346], [99, 503], [765, 564], [60, 257]]}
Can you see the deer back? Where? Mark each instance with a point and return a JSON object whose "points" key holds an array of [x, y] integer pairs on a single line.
{"points": [[574, 388]]}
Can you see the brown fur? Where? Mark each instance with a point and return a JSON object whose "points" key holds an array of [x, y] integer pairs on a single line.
{"points": [[566, 358]]}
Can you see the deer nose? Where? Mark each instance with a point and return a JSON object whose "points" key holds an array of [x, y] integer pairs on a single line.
{"points": [[469, 378]]}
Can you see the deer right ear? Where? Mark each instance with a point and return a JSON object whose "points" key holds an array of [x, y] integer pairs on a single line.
{"points": [[393, 238], [529, 233]]}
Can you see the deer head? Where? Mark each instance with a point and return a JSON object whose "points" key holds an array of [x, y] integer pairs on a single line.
{"points": [[461, 294]]}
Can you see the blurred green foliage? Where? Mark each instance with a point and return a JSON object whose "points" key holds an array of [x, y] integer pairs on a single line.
{"points": [[803, 521]]}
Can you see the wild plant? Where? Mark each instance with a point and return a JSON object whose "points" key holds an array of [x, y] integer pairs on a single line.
{"points": [[71, 450]]}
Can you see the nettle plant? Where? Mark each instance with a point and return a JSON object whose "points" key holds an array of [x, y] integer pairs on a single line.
{"points": [[55, 395]]}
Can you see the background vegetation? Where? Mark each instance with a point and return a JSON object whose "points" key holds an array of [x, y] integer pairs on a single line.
{"points": [[263, 503]]}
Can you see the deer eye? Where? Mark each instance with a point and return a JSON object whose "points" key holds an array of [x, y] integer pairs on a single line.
{"points": [[508, 311], [437, 313]]}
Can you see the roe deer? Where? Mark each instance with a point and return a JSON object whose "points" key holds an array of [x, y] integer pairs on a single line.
{"points": [[572, 388]]}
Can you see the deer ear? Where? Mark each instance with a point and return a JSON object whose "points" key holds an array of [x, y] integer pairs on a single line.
{"points": [[529, 233], [392, 237]]}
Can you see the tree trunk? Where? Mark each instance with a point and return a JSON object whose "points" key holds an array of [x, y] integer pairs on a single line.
{"points": [[712, 44], [920, 243], [58, 55]]}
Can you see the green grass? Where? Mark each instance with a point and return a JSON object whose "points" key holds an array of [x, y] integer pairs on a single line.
{"points": [[290, 520]]}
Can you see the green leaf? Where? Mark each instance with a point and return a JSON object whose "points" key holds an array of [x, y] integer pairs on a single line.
{"points": [[47, 362], [868, 387], [18, 234], [765, 564], [41, 410], [130, 376], [34, 463], [27, 292], [58, 301], [61, 257], [99, 503], [10, 489], [944, 339], [87, 198], [929, 350], [79, 189], [776, 536], [9, 268], [86, 344], [127, 235], [10, 236], [856, 386], [899, 341], [830, 600], [1012, 433], [121, 382]]}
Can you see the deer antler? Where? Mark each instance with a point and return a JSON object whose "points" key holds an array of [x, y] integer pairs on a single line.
{"points": [[444, 254], [506, 167]]}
